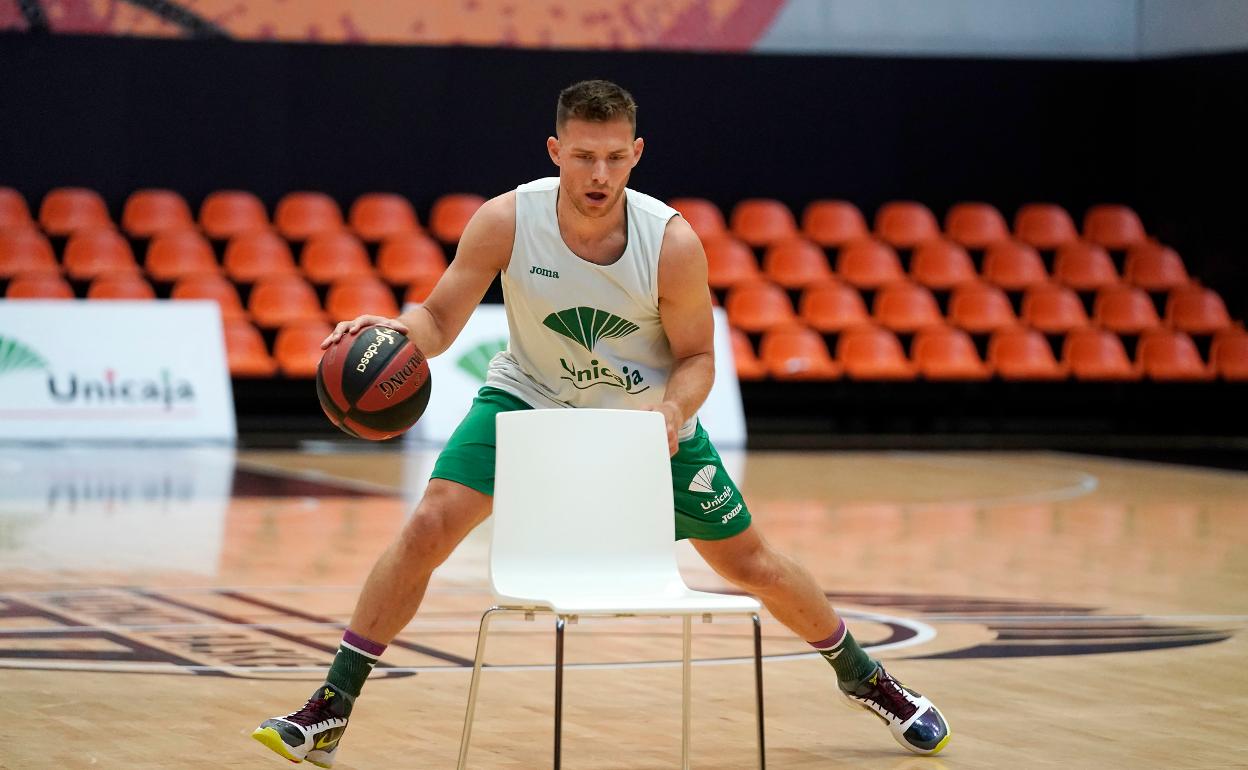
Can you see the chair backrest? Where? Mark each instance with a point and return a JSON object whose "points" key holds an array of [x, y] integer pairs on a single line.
{"points": [[762, 221], [833, 222], [702, 215], [563, 513], [904, 224], [975, 225]]}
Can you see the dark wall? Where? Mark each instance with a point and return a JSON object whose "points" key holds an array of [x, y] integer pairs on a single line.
{"points": [[119, 114]]}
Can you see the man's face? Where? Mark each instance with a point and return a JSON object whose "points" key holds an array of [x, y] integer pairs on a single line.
{"points": [[594, 161]]}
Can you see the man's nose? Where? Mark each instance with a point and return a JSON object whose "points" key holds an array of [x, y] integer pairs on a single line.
{"points": [[600, 171]]}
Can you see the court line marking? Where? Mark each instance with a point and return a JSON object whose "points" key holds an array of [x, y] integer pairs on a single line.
{"points": [[320, 477], [1083, 483]]}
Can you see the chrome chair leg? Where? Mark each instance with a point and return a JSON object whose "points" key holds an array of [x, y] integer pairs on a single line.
{"points": [[482, 632], [560, 622], [758, 689]]}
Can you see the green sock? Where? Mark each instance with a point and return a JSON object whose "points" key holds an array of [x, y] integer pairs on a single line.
{"points": [[353, 663], [850, 662]]}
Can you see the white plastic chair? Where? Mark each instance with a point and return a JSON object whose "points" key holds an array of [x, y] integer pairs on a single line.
{"points": [[583, 526]]}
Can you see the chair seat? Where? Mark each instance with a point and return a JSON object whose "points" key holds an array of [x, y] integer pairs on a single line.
{"points": [[676, 600]]}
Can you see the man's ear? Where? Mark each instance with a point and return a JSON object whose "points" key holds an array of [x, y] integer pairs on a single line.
{"points": [[639, 145], [552, 148]]}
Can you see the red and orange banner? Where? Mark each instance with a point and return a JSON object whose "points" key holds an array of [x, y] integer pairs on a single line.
{"points": [[726, 25]]}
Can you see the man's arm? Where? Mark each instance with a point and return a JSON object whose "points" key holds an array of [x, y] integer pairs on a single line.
{"points": [[685, 311], [483, 251]]}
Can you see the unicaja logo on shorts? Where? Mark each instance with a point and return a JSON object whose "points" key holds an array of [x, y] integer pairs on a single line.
{"points": [[384, 335], [703, 480]]}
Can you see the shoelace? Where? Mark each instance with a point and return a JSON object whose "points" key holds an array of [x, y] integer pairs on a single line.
{"points": [[310, 713], [890, 696]]}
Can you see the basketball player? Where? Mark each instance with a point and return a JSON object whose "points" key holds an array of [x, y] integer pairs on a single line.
{"points": [[607, 306]]}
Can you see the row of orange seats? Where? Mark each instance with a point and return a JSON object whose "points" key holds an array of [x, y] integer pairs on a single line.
{"points": [[945, 353], [939, 263], [831, 306], [761, 222], [226, 213], [402, 259], [272, 302]]}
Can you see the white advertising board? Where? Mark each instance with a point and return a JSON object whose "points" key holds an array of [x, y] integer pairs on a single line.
{"points": [[460, 372], [131, 371]]}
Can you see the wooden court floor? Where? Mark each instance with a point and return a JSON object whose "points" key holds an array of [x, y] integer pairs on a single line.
{"points": [[1063, 610]]}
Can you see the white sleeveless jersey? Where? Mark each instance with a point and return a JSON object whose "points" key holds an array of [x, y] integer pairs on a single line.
{"points": [[581, 334]]}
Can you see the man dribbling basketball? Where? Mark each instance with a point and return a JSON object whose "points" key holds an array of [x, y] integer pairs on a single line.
{"points": [[607, 306]]}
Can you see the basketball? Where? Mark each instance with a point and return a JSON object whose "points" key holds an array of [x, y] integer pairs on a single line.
{"points": [[373, 384]]}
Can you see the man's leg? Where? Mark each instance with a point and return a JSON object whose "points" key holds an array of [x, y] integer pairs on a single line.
{"points": [[391, 595], [791, 594]]}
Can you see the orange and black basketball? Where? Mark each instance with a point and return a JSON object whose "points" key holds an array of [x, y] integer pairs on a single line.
{"points": [[373, 384]]}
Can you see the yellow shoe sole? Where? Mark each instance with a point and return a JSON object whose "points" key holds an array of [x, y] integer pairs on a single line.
{"points": [[269, 737]]}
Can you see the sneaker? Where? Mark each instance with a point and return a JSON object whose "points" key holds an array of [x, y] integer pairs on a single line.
{"points": [[912, 719], [313, 731]]}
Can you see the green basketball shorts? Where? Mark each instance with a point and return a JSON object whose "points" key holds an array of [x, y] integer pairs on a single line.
{"points": [[708, 504]]}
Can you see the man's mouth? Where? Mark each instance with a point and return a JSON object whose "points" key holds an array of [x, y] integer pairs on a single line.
{"points": [[596, 196]]}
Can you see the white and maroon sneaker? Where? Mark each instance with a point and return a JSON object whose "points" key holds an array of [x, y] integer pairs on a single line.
{"points": [[312, 732], [914, 721]]}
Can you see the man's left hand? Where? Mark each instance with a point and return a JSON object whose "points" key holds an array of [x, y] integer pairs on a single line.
{"points": [[674, 419]]}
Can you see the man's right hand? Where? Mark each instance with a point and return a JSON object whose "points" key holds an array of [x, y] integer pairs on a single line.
{"points": [[351, 327]]}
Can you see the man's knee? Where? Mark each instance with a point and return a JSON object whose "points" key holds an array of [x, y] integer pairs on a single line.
{"points": [[445, 515]]}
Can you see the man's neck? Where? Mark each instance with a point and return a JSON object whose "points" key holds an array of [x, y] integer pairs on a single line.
{"points": [[576, 226]]}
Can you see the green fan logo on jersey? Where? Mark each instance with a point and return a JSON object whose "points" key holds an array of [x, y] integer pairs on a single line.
{"points": [[587, 325], [14, 356], [476, 362]]}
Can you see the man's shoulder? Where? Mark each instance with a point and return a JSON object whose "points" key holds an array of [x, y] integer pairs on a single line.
{"points": [[649, 204]]}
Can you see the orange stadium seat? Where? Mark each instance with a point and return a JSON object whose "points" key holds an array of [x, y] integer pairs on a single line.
{"points": [[13, 209], [1154, 267], [941, 264], [409, 257], [728, 261], [1019, 353], [378, 216], [1113, 226], [1053, 309], [211, 287], [255, 254], [832, 306], [758, 307], [868, 263], [1014, 266], [975, 225], [1044, 225], [148, 212], [66, 209], [326, 257], [39, 286], [301, 215], [795, 263], [831, 223], [277, 300], [245, 351], [353, 296], [227, 213], [703, 216], [762, 221], [905, 224], [90, 253], [1084, 266], [178, 253], [872, 353], [1171, 356], [1229, 355], [25, 251], [748, 367], [419, 290], [906, 307], [120, 286], [1197, 310], [1097, 355], [797, 353], [980, 308], [946, 353], [1125, 309], [297, 348], [450, 214]]}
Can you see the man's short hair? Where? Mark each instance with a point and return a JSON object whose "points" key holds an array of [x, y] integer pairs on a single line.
{"points": [[597, 101]]}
